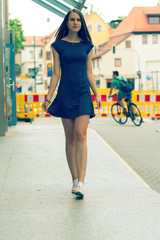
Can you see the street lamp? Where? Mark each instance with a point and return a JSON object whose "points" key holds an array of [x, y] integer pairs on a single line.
{"points": [[34, 47]]}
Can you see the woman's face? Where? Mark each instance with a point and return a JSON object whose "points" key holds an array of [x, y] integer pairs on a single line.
{"points": [[74, 22]]}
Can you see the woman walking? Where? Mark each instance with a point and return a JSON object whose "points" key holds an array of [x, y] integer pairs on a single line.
{"points": [[72, 52]]}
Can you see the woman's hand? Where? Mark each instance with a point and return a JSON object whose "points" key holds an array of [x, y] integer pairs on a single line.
{"points": [[98, 101], [45, 106]]}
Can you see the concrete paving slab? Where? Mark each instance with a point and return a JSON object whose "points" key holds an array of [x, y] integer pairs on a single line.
{"points": [[36, 200]]}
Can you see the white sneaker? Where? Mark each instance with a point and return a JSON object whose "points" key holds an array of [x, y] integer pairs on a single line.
{"points": [[74, 189], [80, 192]]}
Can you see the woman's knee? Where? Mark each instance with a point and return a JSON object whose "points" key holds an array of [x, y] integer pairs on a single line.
{"points": [[70, 139], [80, 135]]}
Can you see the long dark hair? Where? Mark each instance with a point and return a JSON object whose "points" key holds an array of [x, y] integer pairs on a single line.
{"points": [[83, 32]]}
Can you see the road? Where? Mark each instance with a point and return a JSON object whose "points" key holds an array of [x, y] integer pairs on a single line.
{"points": [[138, 146]]}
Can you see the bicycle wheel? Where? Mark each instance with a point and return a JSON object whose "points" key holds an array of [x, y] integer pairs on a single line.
{"points": [[117, 114], [135, 114]]}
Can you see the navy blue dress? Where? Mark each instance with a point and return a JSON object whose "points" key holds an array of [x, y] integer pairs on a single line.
{"points": [[73, 96]]}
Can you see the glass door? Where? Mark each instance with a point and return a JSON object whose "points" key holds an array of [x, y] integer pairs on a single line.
{"points": [[10, 80]]}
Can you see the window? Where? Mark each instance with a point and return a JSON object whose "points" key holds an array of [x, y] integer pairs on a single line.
{"points": [[144, 39], [17, 69], [49, 70], [90, 28], [108, 83], [154, 20], [30, 72], [40, 67], [40, 54], [154, 39], [128, 44], [98, 83], [31, 54], [48, 55], [99, 28], [117, 62]]}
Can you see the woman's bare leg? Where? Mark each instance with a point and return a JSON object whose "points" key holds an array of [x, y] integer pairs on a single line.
{"points": [[68, 125], [80, 131]]}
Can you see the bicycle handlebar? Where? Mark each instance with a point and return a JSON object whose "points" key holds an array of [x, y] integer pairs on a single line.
{"points": [[115, 94]]}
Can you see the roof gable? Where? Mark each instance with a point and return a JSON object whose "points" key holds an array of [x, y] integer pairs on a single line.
{"points": [[137, 21], [29, 40], [88, 18], [107, 47]]}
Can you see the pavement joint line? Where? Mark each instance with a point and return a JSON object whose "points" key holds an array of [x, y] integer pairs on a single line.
{"points": [[10, 159], [122, 160]]}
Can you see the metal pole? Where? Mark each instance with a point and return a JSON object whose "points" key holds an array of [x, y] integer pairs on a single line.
{"points": [[6, 15], [34, 46], [157, 80], [152, 82], [3, 122]]}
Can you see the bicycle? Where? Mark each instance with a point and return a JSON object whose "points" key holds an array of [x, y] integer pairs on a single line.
{"points": [[132, 111]]}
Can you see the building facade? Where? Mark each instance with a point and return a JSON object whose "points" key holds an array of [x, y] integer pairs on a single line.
{"points": [[98, 29], [32, 53], [136, 42]]}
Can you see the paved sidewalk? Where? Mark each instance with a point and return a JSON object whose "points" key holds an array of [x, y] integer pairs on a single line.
{"points": [[36, 201]]}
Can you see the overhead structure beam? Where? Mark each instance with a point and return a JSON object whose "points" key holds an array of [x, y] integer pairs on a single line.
{"points": [[59, 5], [50, 8], [60, 8], [77, 4]]}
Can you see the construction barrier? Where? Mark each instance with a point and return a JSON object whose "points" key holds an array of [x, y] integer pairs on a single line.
{"points": [[29, 105]]}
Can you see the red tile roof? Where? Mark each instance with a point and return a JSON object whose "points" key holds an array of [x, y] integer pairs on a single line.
{"points": [[111, 30], [29, 41], [45, 38], [108, 45], [152, 11], [136, 21]]}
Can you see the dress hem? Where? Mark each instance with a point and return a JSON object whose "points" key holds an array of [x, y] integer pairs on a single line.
{"points": [[58, 116]]}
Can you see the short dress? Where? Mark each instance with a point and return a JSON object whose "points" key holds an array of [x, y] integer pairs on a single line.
{"points": [[73, 97]]}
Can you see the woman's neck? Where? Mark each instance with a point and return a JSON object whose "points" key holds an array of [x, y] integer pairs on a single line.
{"points": [[73, 37]]}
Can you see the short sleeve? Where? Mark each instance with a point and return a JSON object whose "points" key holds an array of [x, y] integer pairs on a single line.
{"points": [[113, 83], [89, 48], [55, 45]]}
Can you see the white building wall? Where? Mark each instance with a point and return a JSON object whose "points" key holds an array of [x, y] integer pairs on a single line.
{"points": [[28, 62], [149, 56], [47, 48], [143, 57], [107, 63]]}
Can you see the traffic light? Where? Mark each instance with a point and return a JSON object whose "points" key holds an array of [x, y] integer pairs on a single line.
{"points": [[114, 49]]}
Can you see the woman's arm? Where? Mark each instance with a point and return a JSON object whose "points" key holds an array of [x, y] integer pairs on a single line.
{"points": [[91, 79], [55, 74], [54, 79]]}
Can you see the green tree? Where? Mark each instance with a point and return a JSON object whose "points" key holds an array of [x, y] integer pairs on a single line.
{"points": [[90, 9], [114, 23], [16, 26]]}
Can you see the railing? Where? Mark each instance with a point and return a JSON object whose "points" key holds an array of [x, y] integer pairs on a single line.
{"points": [[29, 105]]}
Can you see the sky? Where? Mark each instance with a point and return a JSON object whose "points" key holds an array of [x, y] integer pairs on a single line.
{"points": [[34, 17]]}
